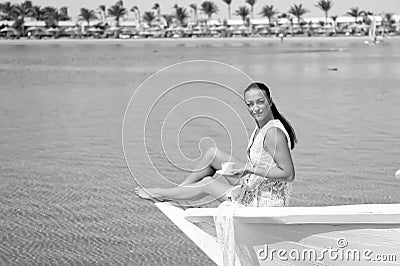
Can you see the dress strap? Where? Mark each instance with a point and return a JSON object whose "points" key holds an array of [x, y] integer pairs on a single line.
{"points": [[251, 142], [277, 123]]}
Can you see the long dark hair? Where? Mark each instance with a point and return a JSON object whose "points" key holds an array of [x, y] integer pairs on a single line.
{"points": [[276, 114]]}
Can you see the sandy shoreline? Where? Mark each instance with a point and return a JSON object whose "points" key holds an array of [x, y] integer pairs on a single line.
{"points": [[195, 40]]}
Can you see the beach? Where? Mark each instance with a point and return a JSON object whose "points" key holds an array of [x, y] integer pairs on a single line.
{"points": [[66, 192], [339, 38]]}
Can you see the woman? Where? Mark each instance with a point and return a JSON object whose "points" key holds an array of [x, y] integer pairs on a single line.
{"points": [[264, 181]]}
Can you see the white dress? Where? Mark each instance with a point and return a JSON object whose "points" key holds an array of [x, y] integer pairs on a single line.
{"points": [[255, 191], [259, 191]]}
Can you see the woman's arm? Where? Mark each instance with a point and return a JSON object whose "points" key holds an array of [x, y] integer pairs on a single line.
{"points": [[276, 142]]}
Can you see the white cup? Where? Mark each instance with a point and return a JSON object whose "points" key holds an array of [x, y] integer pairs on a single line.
{"points": [[227, 167]]}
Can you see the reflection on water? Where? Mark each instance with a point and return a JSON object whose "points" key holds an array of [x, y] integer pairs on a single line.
{"points": [[66, 194]]}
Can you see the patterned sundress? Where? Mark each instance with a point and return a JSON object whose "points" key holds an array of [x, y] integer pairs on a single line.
{"points": [[258, 191], [255, 191]]}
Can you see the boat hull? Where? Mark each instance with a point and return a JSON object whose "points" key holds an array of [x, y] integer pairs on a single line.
{"points": [[332, 235]]}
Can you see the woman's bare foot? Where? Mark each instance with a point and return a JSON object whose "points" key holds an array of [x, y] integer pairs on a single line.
{"points": [[145, 193]]}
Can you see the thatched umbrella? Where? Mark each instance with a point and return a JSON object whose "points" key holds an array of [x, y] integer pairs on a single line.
{"points": [[35, 30], [9, 30], [95, 30]]}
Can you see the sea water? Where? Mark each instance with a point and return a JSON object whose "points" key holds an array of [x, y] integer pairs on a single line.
{"points": [[66, 192]]}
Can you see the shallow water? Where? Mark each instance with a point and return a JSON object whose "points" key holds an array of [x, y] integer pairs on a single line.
{"points": [[66, 192]]}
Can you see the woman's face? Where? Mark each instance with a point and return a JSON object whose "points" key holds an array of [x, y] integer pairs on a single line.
{"points": [[257, 104]]}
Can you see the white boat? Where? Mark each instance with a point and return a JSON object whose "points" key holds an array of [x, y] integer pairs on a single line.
{"points": [[372, 30], [367, 234]]}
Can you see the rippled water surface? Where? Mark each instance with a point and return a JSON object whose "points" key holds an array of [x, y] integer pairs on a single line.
{"points": [[66, 195]]}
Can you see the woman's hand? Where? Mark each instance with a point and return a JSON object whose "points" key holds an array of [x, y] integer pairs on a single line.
{"points": [[248, 169]]}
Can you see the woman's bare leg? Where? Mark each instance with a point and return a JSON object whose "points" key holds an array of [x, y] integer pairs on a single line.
{"points": [[209, 164], [206, 186]]}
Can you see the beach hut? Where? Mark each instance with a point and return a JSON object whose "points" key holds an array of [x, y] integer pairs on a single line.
{"points": [[36, 31], [9, 29], [113, 28], [243, 28], [198, 27], [145, 33], [7, 23], [129, 24], [260, 27], [317, 20], [179, 28], [234, 22], [357, 28], [343, 22], [127, 32], [221, 27], [73, 32], [214, 22], [283, 21], [260, 22], [70, 29], [113, 31], [95, 30], [198, 31], [34, 23], [53, 30], [9, 32], [213, 27], [66, 24]]}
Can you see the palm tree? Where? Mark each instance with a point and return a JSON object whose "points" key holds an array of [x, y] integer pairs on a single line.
{"points": [[149, 17], [51, 16], [136, 10], [290, 18], [334, 18], [117, 11], [6, 10], [64, 14], [298, 11], [365, 17], [228, 2], [194, 7], [36, 13], [355, 12], [102, 11], [87, 15], [251, 3], [209, 8], [56, 17], [168, 19], [243, 11], [388, 21], [158, 10], [21, 11], [269, 12], [181, 15], [325, 5], [283, 15]]}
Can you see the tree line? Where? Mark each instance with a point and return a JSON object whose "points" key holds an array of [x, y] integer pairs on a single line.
{"points": [[179, 15]]}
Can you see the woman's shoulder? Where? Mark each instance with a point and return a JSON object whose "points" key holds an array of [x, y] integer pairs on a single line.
{"points": [[275, 130], [273, 125]]}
